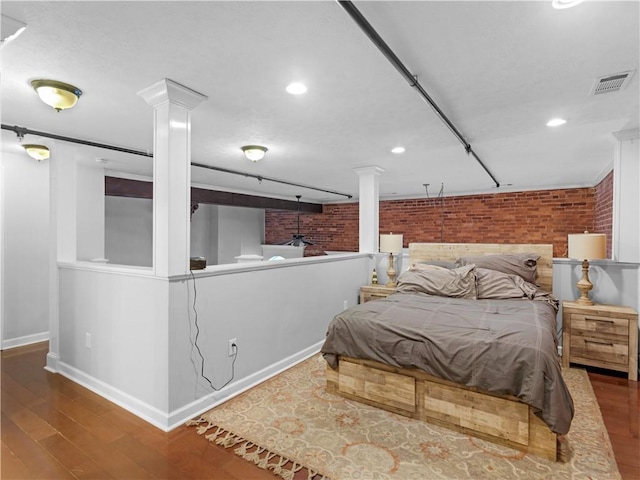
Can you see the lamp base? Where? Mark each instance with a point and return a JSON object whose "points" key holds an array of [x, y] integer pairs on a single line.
{"points": [[585, 285], [391, 273], [585, 301]]}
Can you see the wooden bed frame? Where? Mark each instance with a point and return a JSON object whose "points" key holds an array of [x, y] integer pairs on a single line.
{"points": [[502, 419]]}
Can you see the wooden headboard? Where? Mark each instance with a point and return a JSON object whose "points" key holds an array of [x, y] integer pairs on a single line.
{"points": [[449, 252]]}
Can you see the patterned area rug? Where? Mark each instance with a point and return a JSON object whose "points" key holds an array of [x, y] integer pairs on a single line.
{"points": [[290, 422]]}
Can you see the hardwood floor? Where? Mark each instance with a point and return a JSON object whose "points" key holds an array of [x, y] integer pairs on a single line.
{"points": [[620, 406], [54, 428]]}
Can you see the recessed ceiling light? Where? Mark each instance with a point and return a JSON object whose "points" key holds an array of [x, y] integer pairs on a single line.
{"points": [[556, 122], [296, 88], [397, 150], [559, 4]]}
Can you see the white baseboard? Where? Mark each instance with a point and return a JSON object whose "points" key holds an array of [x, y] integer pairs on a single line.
{"points": [[168, 421], [26, 340], [180, 416], [53, 360], [149, 413]]}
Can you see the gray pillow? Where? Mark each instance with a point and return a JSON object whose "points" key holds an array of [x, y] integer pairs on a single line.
{"points": [[492, 284], [433, 263], [457, 282], [523, 264]]}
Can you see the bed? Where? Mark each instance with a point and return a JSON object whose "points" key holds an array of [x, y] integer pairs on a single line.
{"points": [[486, 367]]}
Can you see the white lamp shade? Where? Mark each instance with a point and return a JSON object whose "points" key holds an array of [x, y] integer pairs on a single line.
{"points": [[587, 246], [390, 243]]}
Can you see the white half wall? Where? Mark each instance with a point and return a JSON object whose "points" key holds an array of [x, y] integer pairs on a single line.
{"points": [[130, 336], [113, 329]]}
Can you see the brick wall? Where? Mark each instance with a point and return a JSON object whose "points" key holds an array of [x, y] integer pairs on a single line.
{"points": [[543, 216], [603, 215]]}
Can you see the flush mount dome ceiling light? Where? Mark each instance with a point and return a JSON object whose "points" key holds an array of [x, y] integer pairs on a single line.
{"points": [[254, 152], [58, 95], [37, 152], [397, 150]]}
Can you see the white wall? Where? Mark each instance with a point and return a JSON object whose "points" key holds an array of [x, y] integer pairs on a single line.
{"points": [[128, 230], [218, 233], [90, 211], [240, 232], [626, 210], [204, 233], [25, 250]]}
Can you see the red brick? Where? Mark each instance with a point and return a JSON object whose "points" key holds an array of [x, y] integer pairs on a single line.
{"points": [[545, 216]]}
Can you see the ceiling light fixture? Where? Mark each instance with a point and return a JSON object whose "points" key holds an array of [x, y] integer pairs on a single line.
{"points": [[37, 152], [58, 95], [560, 4], [556, 122], [296, 88], [397, 150], [254, 152]]}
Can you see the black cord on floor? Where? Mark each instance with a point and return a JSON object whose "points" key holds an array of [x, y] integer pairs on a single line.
{"points": [[195, 341]]}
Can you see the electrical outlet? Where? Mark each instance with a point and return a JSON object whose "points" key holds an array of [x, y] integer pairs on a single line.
{"points": [[233, 347], [346, 304], [87, 340]]}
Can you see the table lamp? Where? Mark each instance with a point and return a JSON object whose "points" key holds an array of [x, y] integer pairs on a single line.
{"points": [[586, 246], [391, 244]]}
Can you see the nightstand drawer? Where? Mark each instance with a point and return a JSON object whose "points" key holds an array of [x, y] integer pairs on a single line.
{"points": [[600, 327], [375, 292], [598, 351]]}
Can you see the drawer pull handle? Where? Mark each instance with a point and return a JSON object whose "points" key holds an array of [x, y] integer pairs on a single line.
{"points": [[599, 343], [598, 320]]}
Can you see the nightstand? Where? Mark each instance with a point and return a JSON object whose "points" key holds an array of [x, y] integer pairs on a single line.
{"points": [[604, 336], [373, 292]]}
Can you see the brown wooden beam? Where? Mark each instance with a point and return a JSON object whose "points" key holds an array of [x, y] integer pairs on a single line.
{"points": [[124, 187]]}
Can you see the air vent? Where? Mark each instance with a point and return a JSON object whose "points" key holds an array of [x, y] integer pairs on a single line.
{"points": [[611, 83]]}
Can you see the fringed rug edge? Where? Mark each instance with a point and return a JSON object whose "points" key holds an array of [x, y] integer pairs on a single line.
{"points": [[280, 465]]}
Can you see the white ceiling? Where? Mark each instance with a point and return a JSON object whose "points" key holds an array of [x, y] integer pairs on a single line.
{"points": [[499, 71]]}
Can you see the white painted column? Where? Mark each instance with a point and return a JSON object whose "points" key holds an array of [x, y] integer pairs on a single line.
{"points": [[626, 197], [369, 208], [53, 355], [64, 172], [171, 174]]}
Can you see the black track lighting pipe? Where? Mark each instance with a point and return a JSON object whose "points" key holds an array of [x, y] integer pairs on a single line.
{"points": [[260, 178], [22, 131], [366, 27]]}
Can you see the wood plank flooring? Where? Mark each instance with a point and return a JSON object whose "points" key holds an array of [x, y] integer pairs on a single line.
{"points": [[53, 428]]}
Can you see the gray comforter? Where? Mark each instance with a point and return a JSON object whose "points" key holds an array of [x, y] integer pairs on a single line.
{"points": [[499, 346]]}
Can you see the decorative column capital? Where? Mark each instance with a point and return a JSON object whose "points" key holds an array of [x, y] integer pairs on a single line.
{"points": [[166, 90], [371, 170], [625, 135]]}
